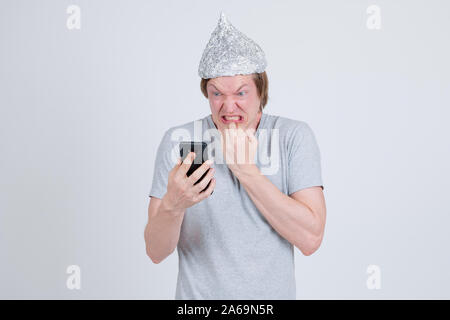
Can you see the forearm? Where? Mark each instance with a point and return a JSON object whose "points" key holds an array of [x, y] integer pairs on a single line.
{"points": [[292, 219], [163, 232]]}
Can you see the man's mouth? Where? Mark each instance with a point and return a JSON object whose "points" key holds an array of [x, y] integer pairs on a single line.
{"points": [[230, 119]]}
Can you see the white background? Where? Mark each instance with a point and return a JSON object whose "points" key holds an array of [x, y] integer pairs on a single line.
{"points": [[83, 111]]}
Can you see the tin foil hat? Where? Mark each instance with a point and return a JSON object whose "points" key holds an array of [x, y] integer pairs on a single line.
{"points": [[229, 52]]}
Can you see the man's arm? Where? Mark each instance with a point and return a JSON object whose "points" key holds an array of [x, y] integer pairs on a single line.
{"points": [[299, 218], [163, 229], [165, 215]]}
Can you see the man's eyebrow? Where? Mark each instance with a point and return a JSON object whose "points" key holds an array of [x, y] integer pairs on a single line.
{"points": [[245, 84], [241, 87]]}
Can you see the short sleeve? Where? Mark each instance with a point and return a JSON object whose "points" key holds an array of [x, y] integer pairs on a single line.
{"points": [[304, 160], [165, 160]]}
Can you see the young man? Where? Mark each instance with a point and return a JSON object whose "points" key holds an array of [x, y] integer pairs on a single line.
{"points": [[237, 243]]}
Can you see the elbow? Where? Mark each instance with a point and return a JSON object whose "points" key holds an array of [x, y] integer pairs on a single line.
{"points": [[155, 261], [312, 245], [314, 239], [307, 253], [147, 248], [150, 255], [152, 258], [158, 258]]}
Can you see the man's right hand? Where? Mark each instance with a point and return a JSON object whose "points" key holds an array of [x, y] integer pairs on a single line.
{"points": [[181, 191]]}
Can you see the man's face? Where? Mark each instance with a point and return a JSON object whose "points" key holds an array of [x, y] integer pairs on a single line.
{"points": [[234, 99]]}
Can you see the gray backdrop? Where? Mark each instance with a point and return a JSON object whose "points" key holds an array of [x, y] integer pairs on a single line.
{"points": [[83, 111]]}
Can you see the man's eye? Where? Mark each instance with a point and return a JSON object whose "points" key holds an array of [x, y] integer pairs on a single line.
{"points": [[216, 93], [243, 92]]}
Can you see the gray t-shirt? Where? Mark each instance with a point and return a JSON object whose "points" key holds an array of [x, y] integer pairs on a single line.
{"points": [[227, 249]]}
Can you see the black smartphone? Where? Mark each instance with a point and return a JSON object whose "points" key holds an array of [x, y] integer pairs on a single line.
{"points": [[200, 157]]}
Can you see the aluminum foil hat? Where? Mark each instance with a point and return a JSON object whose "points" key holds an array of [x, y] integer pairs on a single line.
{"points": [[229, 52]]}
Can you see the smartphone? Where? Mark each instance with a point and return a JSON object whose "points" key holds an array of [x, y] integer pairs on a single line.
{"points": [[200, 157]]}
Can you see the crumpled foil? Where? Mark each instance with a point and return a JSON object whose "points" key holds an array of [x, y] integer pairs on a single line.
{"points": [[229, 52]]}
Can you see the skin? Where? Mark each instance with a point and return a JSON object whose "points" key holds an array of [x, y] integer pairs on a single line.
{"points": [[236, 95], [165, 215], [298, 217]]}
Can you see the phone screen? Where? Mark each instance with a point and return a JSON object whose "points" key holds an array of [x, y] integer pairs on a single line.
{"points": [[200, 156]]}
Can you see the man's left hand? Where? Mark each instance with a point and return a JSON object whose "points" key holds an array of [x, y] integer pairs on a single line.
{"points": [[239, 148]]}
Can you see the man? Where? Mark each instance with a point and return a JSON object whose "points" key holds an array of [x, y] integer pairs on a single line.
{"points": [[238, 242]]}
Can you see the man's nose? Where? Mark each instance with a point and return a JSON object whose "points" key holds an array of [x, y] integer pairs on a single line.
{"points": [[229, 105]]}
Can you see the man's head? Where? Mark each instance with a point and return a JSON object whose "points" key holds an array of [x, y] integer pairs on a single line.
{"points": [[243, 96]]}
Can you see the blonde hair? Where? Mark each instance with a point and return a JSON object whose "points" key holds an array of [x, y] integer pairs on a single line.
{"points": [[261, 82]]}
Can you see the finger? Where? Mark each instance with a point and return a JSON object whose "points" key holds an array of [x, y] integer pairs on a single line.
{"points": [[176, 166], [186, 164], [240, 146], [231, 131], [223, 135], [233, 128], [251, 135], [242, 134], [231, 134], [197, 174], [228, 146], [250, 132], [202, 184], [205, 194], [231, 137]]}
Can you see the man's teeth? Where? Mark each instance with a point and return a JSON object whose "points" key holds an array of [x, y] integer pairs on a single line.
{"points": [[232, 118]]}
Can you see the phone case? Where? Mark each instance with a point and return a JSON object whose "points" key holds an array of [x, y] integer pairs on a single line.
{"points": [[200, 157]]}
